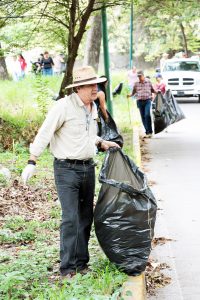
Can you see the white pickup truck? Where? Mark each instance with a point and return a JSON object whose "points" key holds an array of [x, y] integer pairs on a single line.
{"points": [[182, 77]]}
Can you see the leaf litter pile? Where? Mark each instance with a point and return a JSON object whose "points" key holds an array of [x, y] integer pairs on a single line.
{"points": [[154, 277], [32, 203]]}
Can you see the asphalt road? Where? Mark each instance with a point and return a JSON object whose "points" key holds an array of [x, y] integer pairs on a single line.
{"points": [[175, 167]]}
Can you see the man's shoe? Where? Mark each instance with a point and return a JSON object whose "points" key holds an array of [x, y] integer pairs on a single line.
{"points": [[68, 276], [84, 271], [148, 136]]}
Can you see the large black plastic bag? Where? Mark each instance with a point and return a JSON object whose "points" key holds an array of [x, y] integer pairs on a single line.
{"points": [[125, 213], [179, 115], [160, 114], [108, 130], [166, 111]]}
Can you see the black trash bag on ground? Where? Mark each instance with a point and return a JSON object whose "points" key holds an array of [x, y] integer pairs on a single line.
{"points": [[118, 89], [108, 130], [160, 115], [125, 213], [179, 115], [166, 111]]}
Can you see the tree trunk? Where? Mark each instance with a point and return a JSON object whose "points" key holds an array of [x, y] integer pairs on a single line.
{"points": [[3, 68], [74, 41], [93, 43], [184, 39]]}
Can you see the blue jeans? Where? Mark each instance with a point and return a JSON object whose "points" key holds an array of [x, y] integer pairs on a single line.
{"points": [[145, 112], [75, 185], [47, 72]]}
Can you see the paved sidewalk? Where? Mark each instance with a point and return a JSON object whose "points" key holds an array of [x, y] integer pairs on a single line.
{"points": [[175, 167]]}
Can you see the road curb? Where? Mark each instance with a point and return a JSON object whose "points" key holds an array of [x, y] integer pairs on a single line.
{"points": [[136, 145], [136, 123], [134, 288]]}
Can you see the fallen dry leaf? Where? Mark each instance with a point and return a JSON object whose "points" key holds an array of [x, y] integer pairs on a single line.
{"points": [[27, 201], [154, 277], [160, 241]]}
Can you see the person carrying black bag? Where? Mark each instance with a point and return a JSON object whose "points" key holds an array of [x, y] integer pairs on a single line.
{"points": [[71, 129], [143, 89]]}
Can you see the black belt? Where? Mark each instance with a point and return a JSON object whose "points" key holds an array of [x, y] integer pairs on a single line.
{"points": [[77, 161], [144, 99]]}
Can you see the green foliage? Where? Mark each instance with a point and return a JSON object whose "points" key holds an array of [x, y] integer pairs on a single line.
{"points": [[15, 223], [8, 237], [3, 181], [24, 273], [55, 212], [18, 101], [10, 283], [99, 284], [160, 29], [42, 93], [156, 26]]}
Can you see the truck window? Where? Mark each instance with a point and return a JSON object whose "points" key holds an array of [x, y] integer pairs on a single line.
{"points": [[182, 66]]}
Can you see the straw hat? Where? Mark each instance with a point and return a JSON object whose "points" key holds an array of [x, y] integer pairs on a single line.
{"points": [[85, 75]]}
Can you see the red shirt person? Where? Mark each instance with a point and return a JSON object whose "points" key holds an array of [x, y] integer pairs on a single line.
{"points": [[160, 86], [23, 65]]}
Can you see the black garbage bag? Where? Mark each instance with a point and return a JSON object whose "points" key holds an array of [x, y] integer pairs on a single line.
{"points": [[108, 130], [118, 89], [160, 114], [125, 213], [179, 115], [166, 111]]}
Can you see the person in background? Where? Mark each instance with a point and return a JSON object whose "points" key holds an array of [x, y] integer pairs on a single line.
{"points": [[143, 90], [71, 129], [16, 69], [164, 57], [132, 77], [47, 64], [59, 64], [23, 65], [101, 98], [184, 55], [159, 86], [39, 63]]}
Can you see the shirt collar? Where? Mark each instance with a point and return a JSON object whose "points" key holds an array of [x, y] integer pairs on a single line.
{"points": [[94, 108], [145, 80], [78, 99]]}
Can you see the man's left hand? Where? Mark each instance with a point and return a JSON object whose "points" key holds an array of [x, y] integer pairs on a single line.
{"points": [[105, 145]]}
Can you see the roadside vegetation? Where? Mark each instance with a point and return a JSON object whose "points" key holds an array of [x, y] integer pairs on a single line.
{"points": [[30, 215]]}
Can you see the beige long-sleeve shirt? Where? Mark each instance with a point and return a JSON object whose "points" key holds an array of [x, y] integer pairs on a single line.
{"points": [[70, 130]]}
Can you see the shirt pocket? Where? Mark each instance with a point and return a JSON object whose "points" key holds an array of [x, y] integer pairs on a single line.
{"points": [[76, 128]]}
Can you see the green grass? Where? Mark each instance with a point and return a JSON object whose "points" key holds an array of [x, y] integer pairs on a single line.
{"points": [[30, 263], [18, 100]]}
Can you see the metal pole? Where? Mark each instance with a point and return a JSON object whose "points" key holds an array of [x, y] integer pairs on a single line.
{"points": [[106, 60], [131, 38]]}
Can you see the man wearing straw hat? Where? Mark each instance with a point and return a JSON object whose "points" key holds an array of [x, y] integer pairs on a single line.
{"points": [[71, 130]]}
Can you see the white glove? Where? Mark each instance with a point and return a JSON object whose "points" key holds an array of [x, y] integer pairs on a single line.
{"points": [[28, 172]]}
